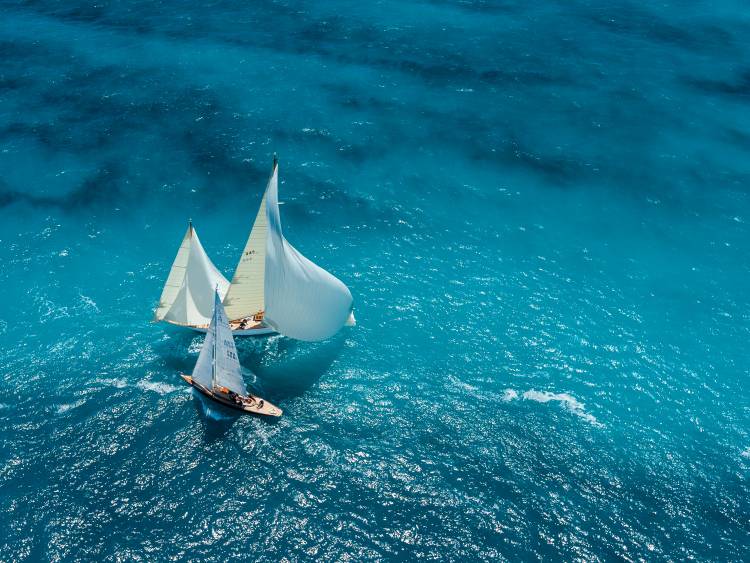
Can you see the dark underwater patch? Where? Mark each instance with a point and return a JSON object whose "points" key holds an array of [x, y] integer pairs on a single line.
{"points": [[335, 38], [525, 77], [634, 20], [100, 189], [328, 198], [738, 138], [484, 7], [739, 87], [14, 82]]}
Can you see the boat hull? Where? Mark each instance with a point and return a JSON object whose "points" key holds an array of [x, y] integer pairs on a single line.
{"points": [[260, 407], [262, 331], [259, 331]]}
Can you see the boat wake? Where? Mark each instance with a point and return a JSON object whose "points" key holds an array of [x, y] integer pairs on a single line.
{"points": [[158, 387]]}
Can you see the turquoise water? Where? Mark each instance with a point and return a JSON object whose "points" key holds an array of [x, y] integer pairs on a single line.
{"points": [[541, 209]]}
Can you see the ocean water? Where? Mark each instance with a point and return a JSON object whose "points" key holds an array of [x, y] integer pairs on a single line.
{"points": [[541, 209]]}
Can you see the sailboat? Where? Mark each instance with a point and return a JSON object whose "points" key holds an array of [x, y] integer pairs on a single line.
{"points": [[217, 373], [274, 287], [187, 297]]}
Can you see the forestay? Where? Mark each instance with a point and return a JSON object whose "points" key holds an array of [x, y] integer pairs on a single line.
{"points": [[218, 365], [187, 295], [302, 300]]}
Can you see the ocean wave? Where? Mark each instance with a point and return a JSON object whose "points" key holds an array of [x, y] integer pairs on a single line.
{"points": [[569, 402], [65, 407]]}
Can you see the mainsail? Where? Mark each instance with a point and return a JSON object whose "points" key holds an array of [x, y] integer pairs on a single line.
{"points": [[186, 297], [218, 365], [301, 299], [245, 296]]}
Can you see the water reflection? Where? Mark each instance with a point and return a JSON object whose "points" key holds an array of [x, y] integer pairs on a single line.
{"points": [[287, 368], [216, 419]]}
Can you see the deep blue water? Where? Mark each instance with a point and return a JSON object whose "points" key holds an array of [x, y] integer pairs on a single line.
{"points": [[541, 209]]}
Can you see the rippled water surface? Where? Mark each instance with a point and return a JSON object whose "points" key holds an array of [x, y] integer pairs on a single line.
{"points": [[541, 209]]}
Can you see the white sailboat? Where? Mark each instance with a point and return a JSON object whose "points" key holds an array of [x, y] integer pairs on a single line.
{"points": [[187, 297], [274, 287], [217, 373]]}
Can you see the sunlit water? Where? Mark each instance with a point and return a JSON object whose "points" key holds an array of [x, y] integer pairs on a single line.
{"points": [[541, 209]]}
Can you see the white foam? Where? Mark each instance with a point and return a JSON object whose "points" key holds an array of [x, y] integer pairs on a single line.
{"points": [[157, 387], [88, 303], [195, 346], [462, 385], [746, 453], [509, 395], [69, 406], [48, 309], [117, 383], [568, 401]]}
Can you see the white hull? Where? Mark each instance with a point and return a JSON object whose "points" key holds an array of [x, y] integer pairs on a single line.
{"points": [[260, 331]]}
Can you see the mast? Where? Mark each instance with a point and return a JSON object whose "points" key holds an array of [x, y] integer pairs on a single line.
{"points": [[214, 323]]}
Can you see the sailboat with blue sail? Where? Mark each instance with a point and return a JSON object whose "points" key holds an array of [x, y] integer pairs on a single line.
{"points": [[217, 373]]}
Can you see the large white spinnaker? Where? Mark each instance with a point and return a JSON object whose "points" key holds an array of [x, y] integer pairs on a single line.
{"points": [[302, 300], [187, 297], [218, 365]]}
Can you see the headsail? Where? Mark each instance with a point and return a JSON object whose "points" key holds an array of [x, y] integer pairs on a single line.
{"points": [[187, 295], [218, 365], [302, 300], [245, 296], [175, 277]]}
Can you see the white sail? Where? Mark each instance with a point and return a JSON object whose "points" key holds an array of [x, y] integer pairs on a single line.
{"points": [[218, 365], [245, 296], [176, 276], [191, 303], [227, 371], [203, 372], [302, 300]]}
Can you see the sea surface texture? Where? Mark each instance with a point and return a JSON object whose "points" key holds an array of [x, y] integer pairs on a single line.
{"points": [[542, 210]]}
